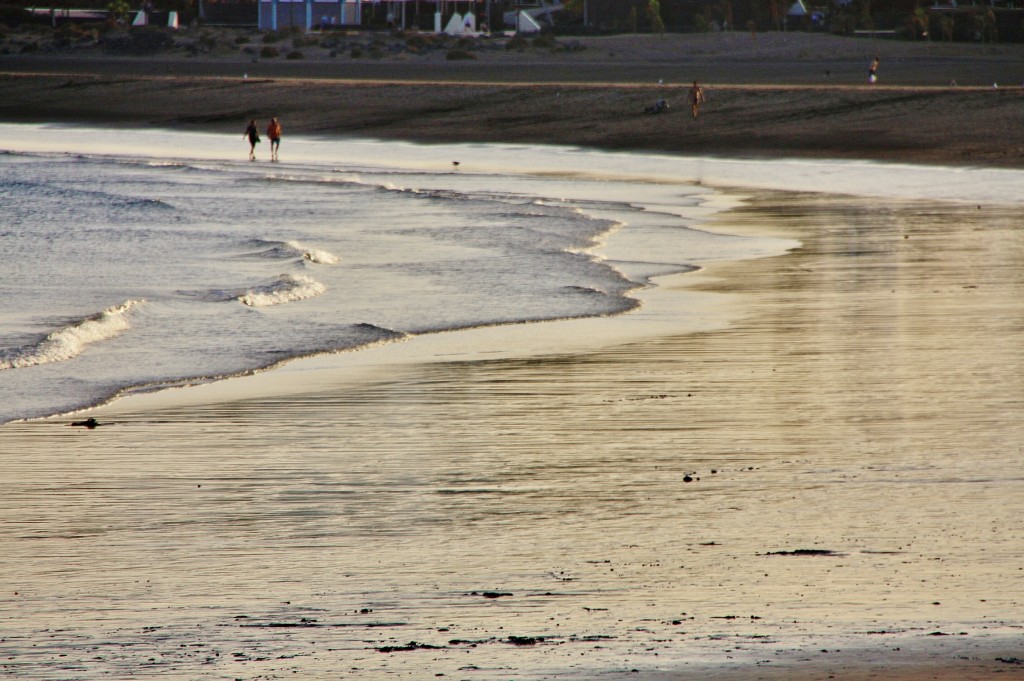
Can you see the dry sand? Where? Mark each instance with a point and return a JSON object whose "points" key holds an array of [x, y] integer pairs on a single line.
{"points": [[778, 95], [761, 103]]}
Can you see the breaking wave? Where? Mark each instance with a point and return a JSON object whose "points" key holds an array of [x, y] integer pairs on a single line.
{"points": [[292, 249], [286, 289], [71, 340]]}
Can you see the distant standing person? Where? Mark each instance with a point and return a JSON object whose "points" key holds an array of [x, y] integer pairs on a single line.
{"points": [[873, 70], [254, 138], [274, 134], [696, 98]]}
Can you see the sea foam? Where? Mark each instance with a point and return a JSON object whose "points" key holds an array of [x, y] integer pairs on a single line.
{"points": [[286, 289], [293, 249], [71, 340]]}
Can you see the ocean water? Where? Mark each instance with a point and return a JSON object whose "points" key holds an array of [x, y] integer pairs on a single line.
{"points": [[644, 508], [130, 265], [145, 259]]}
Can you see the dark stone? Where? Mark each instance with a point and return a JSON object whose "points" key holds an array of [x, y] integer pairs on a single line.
{"points": [[411, 645], [525, 640], [804, 552]]}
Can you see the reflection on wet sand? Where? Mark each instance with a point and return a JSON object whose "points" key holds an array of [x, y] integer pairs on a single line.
{"points": [[834, 482]]}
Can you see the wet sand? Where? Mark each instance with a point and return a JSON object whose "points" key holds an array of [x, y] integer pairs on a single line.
{"points": [[515, 500]]}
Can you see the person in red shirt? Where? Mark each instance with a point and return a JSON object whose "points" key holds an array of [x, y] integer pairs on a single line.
{"points": [[274, 134]]}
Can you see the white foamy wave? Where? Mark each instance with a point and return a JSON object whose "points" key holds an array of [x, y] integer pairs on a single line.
{"points": [[71, 340], [287, 289], [316, 255], [292, 249]]}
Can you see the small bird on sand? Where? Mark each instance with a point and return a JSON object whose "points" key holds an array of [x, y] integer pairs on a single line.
{"points": [[455, 164]]}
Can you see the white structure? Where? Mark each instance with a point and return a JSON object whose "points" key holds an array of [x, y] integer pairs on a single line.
{"points": [[459, 24], [797, 9], [454, 26], [142, 19], [525, 23], [527, 19]]}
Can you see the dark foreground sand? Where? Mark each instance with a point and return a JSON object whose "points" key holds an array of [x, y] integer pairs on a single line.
{"points": [[781, 95]]}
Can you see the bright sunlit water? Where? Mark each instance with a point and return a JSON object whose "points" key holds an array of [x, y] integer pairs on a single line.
{"points": [[127, 267]]}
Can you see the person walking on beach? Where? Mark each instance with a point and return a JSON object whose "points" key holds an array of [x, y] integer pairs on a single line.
{"points": [[274, 134], [696, 98], [254, 138], [873, 70]]}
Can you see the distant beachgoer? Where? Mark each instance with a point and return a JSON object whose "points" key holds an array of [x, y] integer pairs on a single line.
{"points": [[274, 133], [696, 98], [660, 106], [254, 138], [873, 70]]}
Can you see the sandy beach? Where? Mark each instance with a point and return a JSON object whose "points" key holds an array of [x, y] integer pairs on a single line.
{"points": [[806, 430], [769, 432], [803, 95]]}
